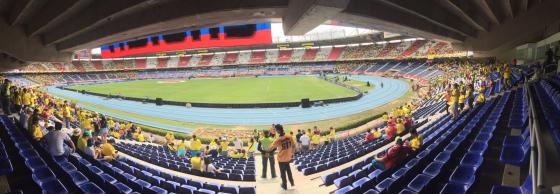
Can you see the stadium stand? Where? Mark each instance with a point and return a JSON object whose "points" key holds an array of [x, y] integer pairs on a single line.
{"points": [[231, 58], [284, 56], [258, 57], [310, 54]]}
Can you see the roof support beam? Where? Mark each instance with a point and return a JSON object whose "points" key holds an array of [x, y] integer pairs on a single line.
{"points": [[522, 6], [304, 15], [24, 9], [483, 5], [97, 14], [460, 13], [432, 13], [55, 13], [377, 15], [506, 7]]}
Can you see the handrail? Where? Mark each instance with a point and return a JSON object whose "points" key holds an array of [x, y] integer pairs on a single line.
{"points": [[537, 166]]}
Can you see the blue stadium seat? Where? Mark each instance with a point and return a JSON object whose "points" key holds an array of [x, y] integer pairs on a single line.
{"points": [[371, 191], [343, 181], [453, 188], [384, 185], [77, 177], [53, 186], [229, 189], [156, 190], [123, 188], [516, 155], [247, 190], [406, 191], [344, 190], [526, 188], [463, 175], [360, 183], [91, 188], [433, 169], [443, 157], [419, 183], [186, 189], [472, 159], [329, 178]]}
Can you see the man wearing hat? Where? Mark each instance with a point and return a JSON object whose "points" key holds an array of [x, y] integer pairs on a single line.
{"points": [[284, 143]]}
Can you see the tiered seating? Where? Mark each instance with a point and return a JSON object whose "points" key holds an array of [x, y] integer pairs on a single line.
{"points": [[515, 148], [217, 59], [549, 102], [195, 59], [231, 58], [173, 62], [271, 55], [234, 169], [284, 56], [413, 48], [387, 49], [297, 55], [79, 174], [78, 66], [323, 53], [184, 61], [244, 57], [98, 65], [162, 63], [258, 57], [337, 153], [335, 53], [151, 63], [205, 60], [140, 63], [310, 54]]}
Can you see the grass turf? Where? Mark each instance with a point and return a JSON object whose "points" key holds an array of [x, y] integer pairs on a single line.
{"points": [[231, 90]]}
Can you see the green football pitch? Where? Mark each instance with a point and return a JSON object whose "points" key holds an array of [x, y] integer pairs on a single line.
{"points": [[226, 90]]}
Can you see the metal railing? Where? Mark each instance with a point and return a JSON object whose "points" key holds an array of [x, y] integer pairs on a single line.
{"points": [[537, 165]]}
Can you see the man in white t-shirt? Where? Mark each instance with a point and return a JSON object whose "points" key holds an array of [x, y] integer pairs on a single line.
{"points": [[55, 139], [305, 142], [238, 144]]}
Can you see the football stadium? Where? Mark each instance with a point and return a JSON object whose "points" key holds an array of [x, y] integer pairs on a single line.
{"points": [[280, 97]]}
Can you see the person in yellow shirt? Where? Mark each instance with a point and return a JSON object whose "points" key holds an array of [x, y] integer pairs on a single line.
{"points": [[141, 137], [462, 100], [196, 145], [169, 137], [480, 99], [26, 98], [332, 135], [182, 149], [385, 119], [224, 147], [416, 140], [315, 141], [196, 162], [108, 151], [82, 141], [251, 147], [37, 132], [400, 126]]}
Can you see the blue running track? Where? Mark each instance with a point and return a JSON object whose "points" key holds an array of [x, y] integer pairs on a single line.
{"points": [[392, 90]]}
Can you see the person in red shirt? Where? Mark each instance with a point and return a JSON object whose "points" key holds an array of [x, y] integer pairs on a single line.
{"points": [[369, 137], [407, 122], [390, 132], [392, 157]]}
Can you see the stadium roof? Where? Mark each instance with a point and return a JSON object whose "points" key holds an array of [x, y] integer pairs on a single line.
{"points": [[48, 30]]}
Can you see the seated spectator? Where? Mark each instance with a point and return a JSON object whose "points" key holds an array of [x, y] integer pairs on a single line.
{"points": [[394, 156], [182, 148], [82, 141], [196, 162], [332, 135], [214, 148], [390, 131], [369, 137], [385, 119], [169, 137], [400, 126], [56, 138], [141, 137], [36, 131], [108, 152], [207, 166], [238, 144], [416, 140], [407, 122]]}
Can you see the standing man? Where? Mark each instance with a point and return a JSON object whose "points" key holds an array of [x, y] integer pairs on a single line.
{"points": [[6, 96], [285, 145], [267, 154]]}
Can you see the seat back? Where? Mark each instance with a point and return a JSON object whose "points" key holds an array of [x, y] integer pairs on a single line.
{"points": [[527, 187]]}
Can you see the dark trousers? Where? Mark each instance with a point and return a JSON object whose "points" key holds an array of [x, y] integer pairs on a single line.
{"points": [[6, 105], [285, 169], [265, 161]]}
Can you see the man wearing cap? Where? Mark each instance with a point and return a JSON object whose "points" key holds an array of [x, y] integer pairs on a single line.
{"points": [[394, 156], [284, 143]]}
